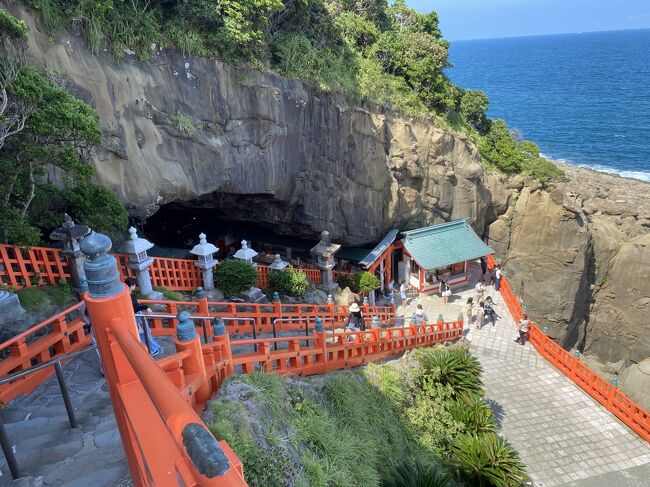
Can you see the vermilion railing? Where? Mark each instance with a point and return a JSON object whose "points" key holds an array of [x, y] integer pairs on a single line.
{"points": [[43, 265], [610, 396], [56, 336], [26, 267], [293, 316]]}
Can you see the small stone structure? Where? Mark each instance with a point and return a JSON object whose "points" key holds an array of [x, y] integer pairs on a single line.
{"points": [[254, 294], [139, 261], [205, 260], [278, 264], [70, 233], [324, 251]]}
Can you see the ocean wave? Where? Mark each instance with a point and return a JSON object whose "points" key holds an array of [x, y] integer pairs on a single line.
{"points": [[641, 175]]}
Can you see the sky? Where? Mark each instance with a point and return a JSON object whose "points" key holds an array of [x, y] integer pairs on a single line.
{"points": [[486, 19]]}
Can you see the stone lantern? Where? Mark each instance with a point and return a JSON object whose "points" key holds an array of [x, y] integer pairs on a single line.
{"points": [[278, 264], [136, 248], [205, 260], [324, 251], [245, 253], [70, 233]]}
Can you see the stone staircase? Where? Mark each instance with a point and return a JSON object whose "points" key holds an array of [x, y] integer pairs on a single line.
{"points": [[51, 453]]}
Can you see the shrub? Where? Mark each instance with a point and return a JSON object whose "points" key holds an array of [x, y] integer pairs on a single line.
{"points": [[417, 474], [289, 282], [235, 276], [366, 281], [184, 123], [347, 280], [487, 459]]}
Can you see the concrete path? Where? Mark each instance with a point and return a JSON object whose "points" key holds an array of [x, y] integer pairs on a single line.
{"points": [[563, 435]]}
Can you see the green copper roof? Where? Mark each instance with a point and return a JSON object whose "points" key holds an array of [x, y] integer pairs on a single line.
{"points": [[354, 254], [444, 244]]}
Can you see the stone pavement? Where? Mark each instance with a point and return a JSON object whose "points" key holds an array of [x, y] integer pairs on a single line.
{"points": [[563, 435]]}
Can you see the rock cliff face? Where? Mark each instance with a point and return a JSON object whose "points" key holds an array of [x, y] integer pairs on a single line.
{"points": [[262, 148], [579, 254]]}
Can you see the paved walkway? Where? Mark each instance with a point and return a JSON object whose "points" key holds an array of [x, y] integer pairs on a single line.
{"points": [[563, 435]]}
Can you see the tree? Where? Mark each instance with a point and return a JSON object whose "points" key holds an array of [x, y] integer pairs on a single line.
{"points": [[14, 110], [235, 276], [473, 105], [366, 281], [60, 131]]}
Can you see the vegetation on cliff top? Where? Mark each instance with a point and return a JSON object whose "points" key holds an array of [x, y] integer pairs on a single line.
{"points": [[46, 134], [406, 423], [366, 49]]}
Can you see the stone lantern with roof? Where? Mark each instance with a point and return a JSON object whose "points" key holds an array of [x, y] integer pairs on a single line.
{"points": [[70, 234], [278, 264], [136, 248], [245, 253], [324, 251], [205, 260]]}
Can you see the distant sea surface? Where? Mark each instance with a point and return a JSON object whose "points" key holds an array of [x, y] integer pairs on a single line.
{"points": [[583, 98]]}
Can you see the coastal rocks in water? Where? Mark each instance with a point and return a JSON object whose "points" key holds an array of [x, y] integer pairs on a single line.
{"points": [[264, 148]]}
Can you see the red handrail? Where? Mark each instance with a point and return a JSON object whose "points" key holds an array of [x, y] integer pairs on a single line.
{"points": [[612, 398]]}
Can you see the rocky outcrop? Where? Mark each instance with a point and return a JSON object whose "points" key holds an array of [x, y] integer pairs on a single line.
{"points": [[263, 148], [257, 147], [579, 254]]}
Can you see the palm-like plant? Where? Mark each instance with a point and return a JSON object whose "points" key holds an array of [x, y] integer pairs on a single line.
{"points": [[417, 474], [456, 368], [477, 416], [487, 460]]}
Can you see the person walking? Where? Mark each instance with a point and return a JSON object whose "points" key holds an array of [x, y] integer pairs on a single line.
{"points": [[402, 292], [483, 268], [522, 326], [490, 314], [391, 289], [420, 317], [355, 320], [480, 291], [480, 315], [143, 326], [445, 291], [497, 278], [469, 308]]}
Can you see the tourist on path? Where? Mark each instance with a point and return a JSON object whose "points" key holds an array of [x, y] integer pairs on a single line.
{"points": [[143, 326], [480, 315], [420, 316], [355, 320], [445, 291], [490, 314], [483, 268], [480, 291], [497, 278], [391, 289], [522, 326], [402, 293], [469, 310]]}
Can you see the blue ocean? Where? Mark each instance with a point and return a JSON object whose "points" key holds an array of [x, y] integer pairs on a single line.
{"points": [[583, 98]]}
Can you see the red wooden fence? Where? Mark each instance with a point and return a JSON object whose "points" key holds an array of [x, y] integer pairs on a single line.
{"points": [[610, 396]]}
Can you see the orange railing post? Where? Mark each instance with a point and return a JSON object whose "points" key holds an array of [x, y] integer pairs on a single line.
{"points": [[109, 299], [193, 365], [221, 337]]}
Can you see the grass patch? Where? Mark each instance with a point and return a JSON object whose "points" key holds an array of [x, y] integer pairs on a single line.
{"points": [[184, 123], [35, 299], [168, 294]]}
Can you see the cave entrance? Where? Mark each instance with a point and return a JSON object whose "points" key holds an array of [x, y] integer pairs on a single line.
{"points": [[175, 229]]}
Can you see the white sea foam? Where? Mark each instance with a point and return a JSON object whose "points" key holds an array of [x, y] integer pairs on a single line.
{"points": [[641, 175]]}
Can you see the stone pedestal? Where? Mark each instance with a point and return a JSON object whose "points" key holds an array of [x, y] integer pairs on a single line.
{"points": [[205, 260], [136, 248], [253, 295], [324, 251]]}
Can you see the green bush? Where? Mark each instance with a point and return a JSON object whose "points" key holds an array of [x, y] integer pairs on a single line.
{"points": [[288, 282], [168, 294], [235, 276], [184, 123], [417, 474], [366, 281], [487, 459]]}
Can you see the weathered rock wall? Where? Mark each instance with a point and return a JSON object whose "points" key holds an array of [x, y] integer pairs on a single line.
{"points": [[579, 254], [291, 155], [270, 149]]}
